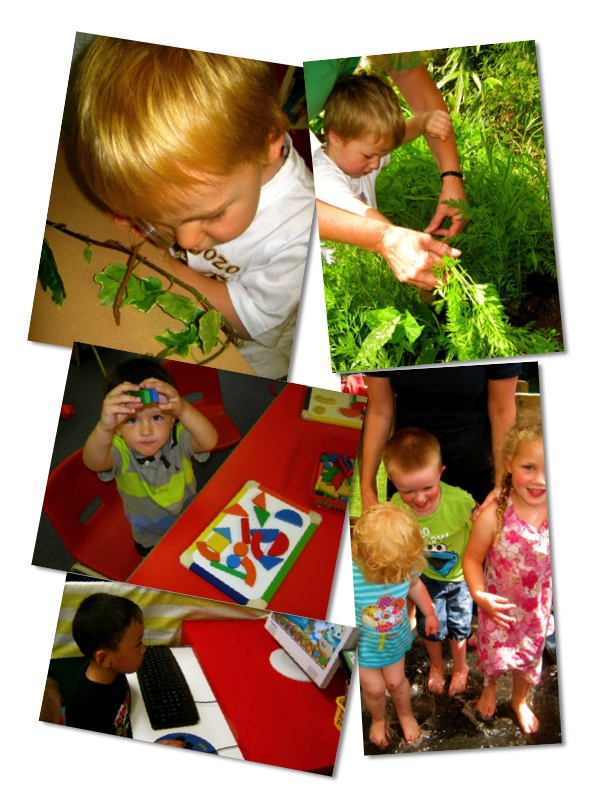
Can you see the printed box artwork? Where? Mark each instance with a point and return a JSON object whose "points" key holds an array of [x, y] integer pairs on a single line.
{"points": [[336, 408], [252, 544]]}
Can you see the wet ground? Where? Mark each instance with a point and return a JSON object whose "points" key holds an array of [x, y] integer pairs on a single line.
{"points": [[453, 723]]}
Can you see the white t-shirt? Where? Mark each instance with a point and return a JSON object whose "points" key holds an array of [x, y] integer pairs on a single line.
{"points": [[264, 267], [335, 188]]}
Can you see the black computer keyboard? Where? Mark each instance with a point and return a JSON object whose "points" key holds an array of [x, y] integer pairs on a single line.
{"points": [[165, 691]]}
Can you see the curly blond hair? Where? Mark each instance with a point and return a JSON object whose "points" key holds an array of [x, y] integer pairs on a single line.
{"points": [[528, 428], [387, 545]]}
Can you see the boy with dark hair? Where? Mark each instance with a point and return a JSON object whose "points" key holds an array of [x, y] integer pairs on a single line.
{"points": [[148, 447], [108, 630]]}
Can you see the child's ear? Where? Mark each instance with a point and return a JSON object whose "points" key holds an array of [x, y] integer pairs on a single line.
{"points": [[334, 138], [102, 658], [275, 149]]}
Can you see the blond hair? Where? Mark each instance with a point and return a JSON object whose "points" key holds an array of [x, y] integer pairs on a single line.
{"points": [[362, 105], [410, 450], [387, 545], [153, 119], [528, 428]]}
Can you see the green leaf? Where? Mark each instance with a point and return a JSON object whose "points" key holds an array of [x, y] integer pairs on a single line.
{"points": [[140, 293], [373, 319], [88, 254], [178, 306], [178, 342], [208, 330], [49, 277], [374, 342]]}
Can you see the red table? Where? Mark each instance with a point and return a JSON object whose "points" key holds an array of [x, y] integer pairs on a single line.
{"points": [[281, 451], [275, 720]]}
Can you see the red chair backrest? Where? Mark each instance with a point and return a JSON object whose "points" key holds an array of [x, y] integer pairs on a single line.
{"points": [[103, 540]]}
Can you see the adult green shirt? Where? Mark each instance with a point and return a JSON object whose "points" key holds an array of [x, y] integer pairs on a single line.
{"points": [[320, 76]]}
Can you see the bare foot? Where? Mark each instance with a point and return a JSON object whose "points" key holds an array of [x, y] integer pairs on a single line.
{"points": [[377, 733], [410, 727], [527, 719], [458, 684], [436, 680], [486, 704]]}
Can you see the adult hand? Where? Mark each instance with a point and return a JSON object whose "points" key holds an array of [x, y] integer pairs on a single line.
{"points": [[452, 189], [412, 255]]}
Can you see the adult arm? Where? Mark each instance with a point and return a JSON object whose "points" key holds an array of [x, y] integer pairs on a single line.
{"points": [[379, 418], [502, 412], [411, 255], [422, 95]]}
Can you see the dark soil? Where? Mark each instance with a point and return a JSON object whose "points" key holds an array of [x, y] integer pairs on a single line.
{"points": [[540, 303]]}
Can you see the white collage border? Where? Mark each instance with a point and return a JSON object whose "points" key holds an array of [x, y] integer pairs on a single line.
{"points": [[36, 56]]}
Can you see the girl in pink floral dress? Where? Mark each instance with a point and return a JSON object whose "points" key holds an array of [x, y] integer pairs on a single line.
{"points": [[514, 595]]}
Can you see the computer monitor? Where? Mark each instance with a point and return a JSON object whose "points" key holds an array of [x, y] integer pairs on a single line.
{"points": [[310, 649]]}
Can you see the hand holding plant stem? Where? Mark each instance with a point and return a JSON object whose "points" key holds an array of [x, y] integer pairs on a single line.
{"points": [[412, 255]]}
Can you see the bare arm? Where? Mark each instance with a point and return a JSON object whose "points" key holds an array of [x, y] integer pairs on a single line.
{"points": [[215, 291], [117, 406], [420, 597], [411, 255], [379, 418], [502, 411], [203, 433], [480, 542], [422, 95]]}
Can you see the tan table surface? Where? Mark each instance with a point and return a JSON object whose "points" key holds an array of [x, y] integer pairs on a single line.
{"points": [[81, 317]]}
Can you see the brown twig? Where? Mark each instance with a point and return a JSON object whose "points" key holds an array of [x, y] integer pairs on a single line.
{"points": [[131, 262], [113, 244]]}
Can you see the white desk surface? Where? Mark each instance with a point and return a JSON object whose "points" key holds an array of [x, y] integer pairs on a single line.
{"points": [[212, 727]]}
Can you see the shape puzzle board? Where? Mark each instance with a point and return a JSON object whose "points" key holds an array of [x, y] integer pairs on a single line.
{"points": [[337, 408], [249, 548]]}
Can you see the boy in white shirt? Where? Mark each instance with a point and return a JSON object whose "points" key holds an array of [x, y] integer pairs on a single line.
{"points": [[191, 149], [362, 124]]}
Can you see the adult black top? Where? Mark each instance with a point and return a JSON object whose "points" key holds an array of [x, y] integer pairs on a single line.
{"points": [[451, 402]]}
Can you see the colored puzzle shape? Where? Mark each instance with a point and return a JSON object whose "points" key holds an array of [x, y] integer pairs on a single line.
{"points": [[249, 548]]}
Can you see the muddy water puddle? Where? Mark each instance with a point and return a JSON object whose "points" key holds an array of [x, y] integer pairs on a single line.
{"points": [[453, 723]]}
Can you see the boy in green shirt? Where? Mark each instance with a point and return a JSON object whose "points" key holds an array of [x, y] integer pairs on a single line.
{"points": [[413, 460]]}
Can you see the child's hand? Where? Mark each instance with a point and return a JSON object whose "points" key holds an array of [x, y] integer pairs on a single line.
{"points": [[118, 405], [169, 398], [497, 608], [432, 624], [438, 124]]}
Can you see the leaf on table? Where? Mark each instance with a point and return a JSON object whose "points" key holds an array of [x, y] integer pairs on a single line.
{"points": [[178, 306], [141, 293], [208, 330], [49, 277], [178, 342]]}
